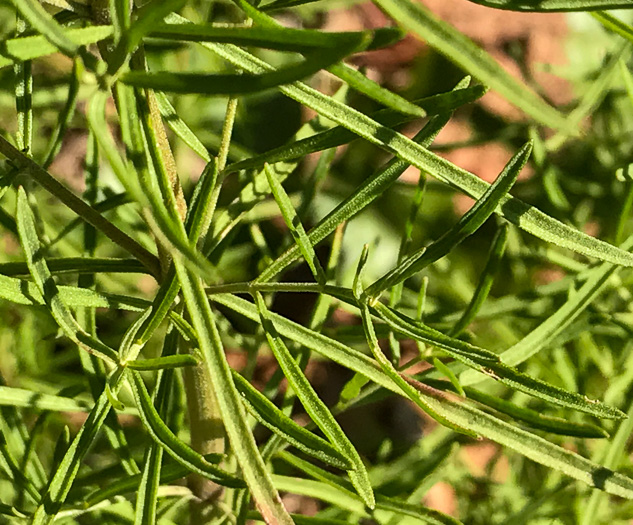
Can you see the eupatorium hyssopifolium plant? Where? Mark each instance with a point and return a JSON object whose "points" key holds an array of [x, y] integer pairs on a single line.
{"points": [[147, 360]]}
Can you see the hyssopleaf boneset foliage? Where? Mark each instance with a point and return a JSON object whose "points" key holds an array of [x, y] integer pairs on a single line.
{"points": [[166, 211]]}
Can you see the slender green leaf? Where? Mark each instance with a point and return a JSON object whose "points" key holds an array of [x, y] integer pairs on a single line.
{"points": [[352, 77], [467, 225], [237, 84], [316, 409], [499, 370], [178, 450], [485, 281], [47, 287], [385, 507], [31, 47], [178, 126], [65, 475], [556, 5], [535, 419], [294, 225], [147, 495], [279, 38], [78, 265], [458, 48], [163, 362], [269, 415], [38, 18], [433, 105], [242, 442], [65, 116]]}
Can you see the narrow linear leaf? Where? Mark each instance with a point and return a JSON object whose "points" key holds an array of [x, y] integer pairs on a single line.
{"points": [[178, 450], [67, 470], [467, 225], [385, 507], [353, 78], [486, 279], [393, 374], [242, 442], [79, 265], [269, 415], [556, 5], [163, 362], [535, 419], [178, 126], [277, 37], [38, 18], [294, 225], [47, 287], [458, 48], [147, 495], [236, 84], [316, 409], [433, 105], [19, 397], [31, 47], [496, 369]]}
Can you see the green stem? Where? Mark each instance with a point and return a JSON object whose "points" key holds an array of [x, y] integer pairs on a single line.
{"points": [[86, 212]]}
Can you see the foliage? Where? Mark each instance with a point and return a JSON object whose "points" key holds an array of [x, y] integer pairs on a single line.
{"points": [[127, 310]]}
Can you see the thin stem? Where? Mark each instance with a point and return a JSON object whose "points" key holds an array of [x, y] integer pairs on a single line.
{"points": [[86, 212]]}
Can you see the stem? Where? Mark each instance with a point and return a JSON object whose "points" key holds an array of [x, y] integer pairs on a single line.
{"points": [[86, 212]]}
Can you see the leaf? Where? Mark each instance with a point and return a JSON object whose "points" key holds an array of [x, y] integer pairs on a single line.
{"points": [[385, 507], [67, 471], [242, 442], [80, 265], [294, 225], [48, 289], [269, 415], [30, 47], [458, 48], [163, 362], [39, 19], [235, 84], [147, 495], [178, 126], [19, 397], [536, 419], [316, 409], [555, 5], [392, 373], [182, 453], [467, 225], [494, 368], [486, 279], [277, 37], [338, 135], [352, 77]]}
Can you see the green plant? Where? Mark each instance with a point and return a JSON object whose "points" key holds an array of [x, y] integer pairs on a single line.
{"points": [[214, 253]]}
